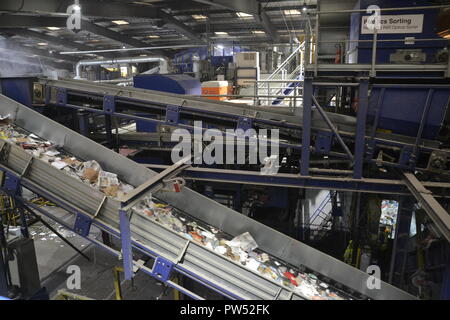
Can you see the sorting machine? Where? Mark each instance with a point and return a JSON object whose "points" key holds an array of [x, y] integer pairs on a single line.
{"points": [[362, 143], [171, 252]]}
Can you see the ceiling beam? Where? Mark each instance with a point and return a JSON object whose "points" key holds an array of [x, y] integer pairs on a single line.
{"points": [[180, 27], [252, 7], [268, 26], [113, 35], [89, 8], [11, 45], [247, 6]]}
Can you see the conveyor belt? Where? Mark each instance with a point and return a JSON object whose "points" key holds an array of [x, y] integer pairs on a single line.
{"points": [[210, 269], [272, 116]]}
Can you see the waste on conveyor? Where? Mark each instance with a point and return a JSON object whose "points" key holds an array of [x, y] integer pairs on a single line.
{"points": [[242, 249]]}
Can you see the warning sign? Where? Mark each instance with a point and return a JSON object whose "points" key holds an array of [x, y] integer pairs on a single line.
{"points": [[404, 23]]}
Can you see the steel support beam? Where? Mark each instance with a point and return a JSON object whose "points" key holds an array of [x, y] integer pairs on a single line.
{"points": [[113, 35], [432, 207], [400, 249], [306, 131], [89, 8], [268, 26], [252, 7], [247, 6], [180, 27], [360, 142]]}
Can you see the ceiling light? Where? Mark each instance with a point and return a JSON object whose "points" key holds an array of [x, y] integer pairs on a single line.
{"points": [[292, 12], [304, 7], [258, 32], [220, 33], [220, 47], [76, 7], [120, 22], [53, 28], [153, 37], [42, 44], [199, 17], [243, 15]]}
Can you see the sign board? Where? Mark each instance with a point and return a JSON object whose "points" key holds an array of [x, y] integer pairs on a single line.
{"points": [[402, 23]]}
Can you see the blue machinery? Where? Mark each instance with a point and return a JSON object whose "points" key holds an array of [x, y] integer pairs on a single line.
{"points": [[111, 101], [397, 126], [172, 253]]}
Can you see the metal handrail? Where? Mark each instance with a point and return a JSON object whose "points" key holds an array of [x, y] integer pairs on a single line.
{"points": [[286, 61]]}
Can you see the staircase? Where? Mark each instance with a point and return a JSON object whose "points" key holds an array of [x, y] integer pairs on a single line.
{"points": [[280, 72]]}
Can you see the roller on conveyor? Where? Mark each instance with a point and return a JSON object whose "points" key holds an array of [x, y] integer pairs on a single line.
{"points": [[171, 251]]}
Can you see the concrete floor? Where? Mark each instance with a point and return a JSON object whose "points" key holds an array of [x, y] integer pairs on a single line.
{"points": [[54, 256]]}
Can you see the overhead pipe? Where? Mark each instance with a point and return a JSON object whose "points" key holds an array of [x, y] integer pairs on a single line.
{"points": [[163, 62]]}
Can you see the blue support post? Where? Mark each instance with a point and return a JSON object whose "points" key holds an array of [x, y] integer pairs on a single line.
{"points": [[244, 123], [172, 114], [306, 131], [371, 143], [445, 292], [3, 267], [127, 253], [61, 97], [109, 107], [83, 123], [400, 247], [361, 128], [3, 282]]}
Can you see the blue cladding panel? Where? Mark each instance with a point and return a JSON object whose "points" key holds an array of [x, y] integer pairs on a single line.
{"points": [[82, 225], [162, 269], [386, 48], [401, 110], [174, 83], [145, 126], [18, 89]]}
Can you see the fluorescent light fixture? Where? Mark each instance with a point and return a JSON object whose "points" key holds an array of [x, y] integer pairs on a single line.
{"points": [[220, 33], [243, 15], [258, 32], [153, 37], [120, 22], [53, 28], [42, 44], [199, 17], [292, 12]]}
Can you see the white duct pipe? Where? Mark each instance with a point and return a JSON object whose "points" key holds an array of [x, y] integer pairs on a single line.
{"points": [[163, 63]]}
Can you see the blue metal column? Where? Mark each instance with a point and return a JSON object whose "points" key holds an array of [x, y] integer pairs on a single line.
{"points": [[3, 268], [399, 250], [3, 282], [361, 128], [306, 132], [83, 123], [127, 253], [445, 292]]}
